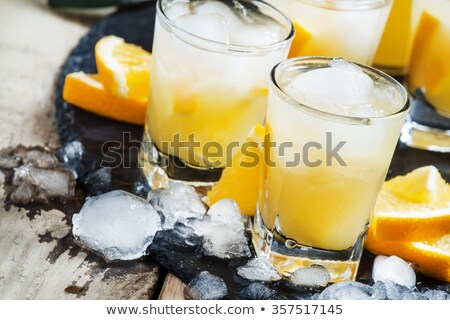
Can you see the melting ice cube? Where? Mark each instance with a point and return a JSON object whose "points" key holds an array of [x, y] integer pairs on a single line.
{"points": [[342, 88], [206, 286], [208, 26], [349, 290], [116, 224], [393, 269], [39, 185], [223, 231], [314, 276], [258, 291], [177, 203], [259, 269]]}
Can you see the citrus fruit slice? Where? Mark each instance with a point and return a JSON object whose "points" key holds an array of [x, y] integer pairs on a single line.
{"points": [[431, 257], [413, 207], [87, 92], [300, 40], [427, 68], [124, 68], [240, 181], [422, 185]]}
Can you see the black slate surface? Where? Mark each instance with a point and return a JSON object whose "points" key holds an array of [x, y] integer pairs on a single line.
{"points": [[135, 25]]}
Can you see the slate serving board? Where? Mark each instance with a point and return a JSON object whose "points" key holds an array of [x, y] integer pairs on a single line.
{"points": [[135, 25]]}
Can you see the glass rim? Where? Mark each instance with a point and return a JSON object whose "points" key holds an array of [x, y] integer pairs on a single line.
{"points": [[217, 46], [333, 116], [347, 5]]}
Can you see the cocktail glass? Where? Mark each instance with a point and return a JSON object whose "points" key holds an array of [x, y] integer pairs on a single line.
{"points": [[350, 29], [314, 209], [428, 126], [211, 61]]}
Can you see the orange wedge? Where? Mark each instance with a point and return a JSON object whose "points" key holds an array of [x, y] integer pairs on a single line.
{"points": [[428, 67], [124, 68], [87, 92], [414, 207], [300, 40], [240, 181], [431, 257]]}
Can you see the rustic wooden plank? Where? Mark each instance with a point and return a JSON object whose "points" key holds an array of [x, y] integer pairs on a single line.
{"points": [[38, 259], [172, 288]]}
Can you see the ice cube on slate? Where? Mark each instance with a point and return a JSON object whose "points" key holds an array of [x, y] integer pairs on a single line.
{"points": [[116, 224], [258, 291], [206, 286], [348, 290], [259, 269], [394, 291], [314, 276], [394, 269], [177, 203], [223, 231], [436, 295]]}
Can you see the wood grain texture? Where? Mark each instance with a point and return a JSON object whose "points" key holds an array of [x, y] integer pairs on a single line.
{"points": [[172, 288], [38, 259]]}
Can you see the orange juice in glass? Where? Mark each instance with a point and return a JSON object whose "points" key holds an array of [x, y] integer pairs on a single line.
{"points": [[428, 126], [350, 29], [331, 130], [211, 61]]}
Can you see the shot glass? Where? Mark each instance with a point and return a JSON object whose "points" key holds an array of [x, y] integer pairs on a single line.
{"points": [[324, 167], [428, 125], [350, 29], [211, 61]]}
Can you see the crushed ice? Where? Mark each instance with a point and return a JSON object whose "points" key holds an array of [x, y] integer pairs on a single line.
{"points": [[259, 269]]}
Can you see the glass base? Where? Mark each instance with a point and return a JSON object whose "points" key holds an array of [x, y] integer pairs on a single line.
{"points": [[426, 138], [288, 256], [425, 128], [159, 168]]}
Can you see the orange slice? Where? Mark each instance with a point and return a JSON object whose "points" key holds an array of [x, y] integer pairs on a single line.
{"points": [[87, 92], [300, 40], [431, 257], [240, 181], [427, 67], [413, 207], [124, 68]]}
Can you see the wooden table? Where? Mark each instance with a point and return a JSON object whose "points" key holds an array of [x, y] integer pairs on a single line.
{"points": [[34, 42]]}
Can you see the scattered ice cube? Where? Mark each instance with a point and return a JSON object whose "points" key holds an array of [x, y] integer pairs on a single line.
{"points": [[206, 286], [116, 224], [208, 26], [394, 269], [9, 161], [39, 185], [259, 269], [38, 156], [342, 88], [349, 290], [394, 291], [178, 202], [435, 295], [223, 231], [258, 291], [314, 276], [226, 211]]}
